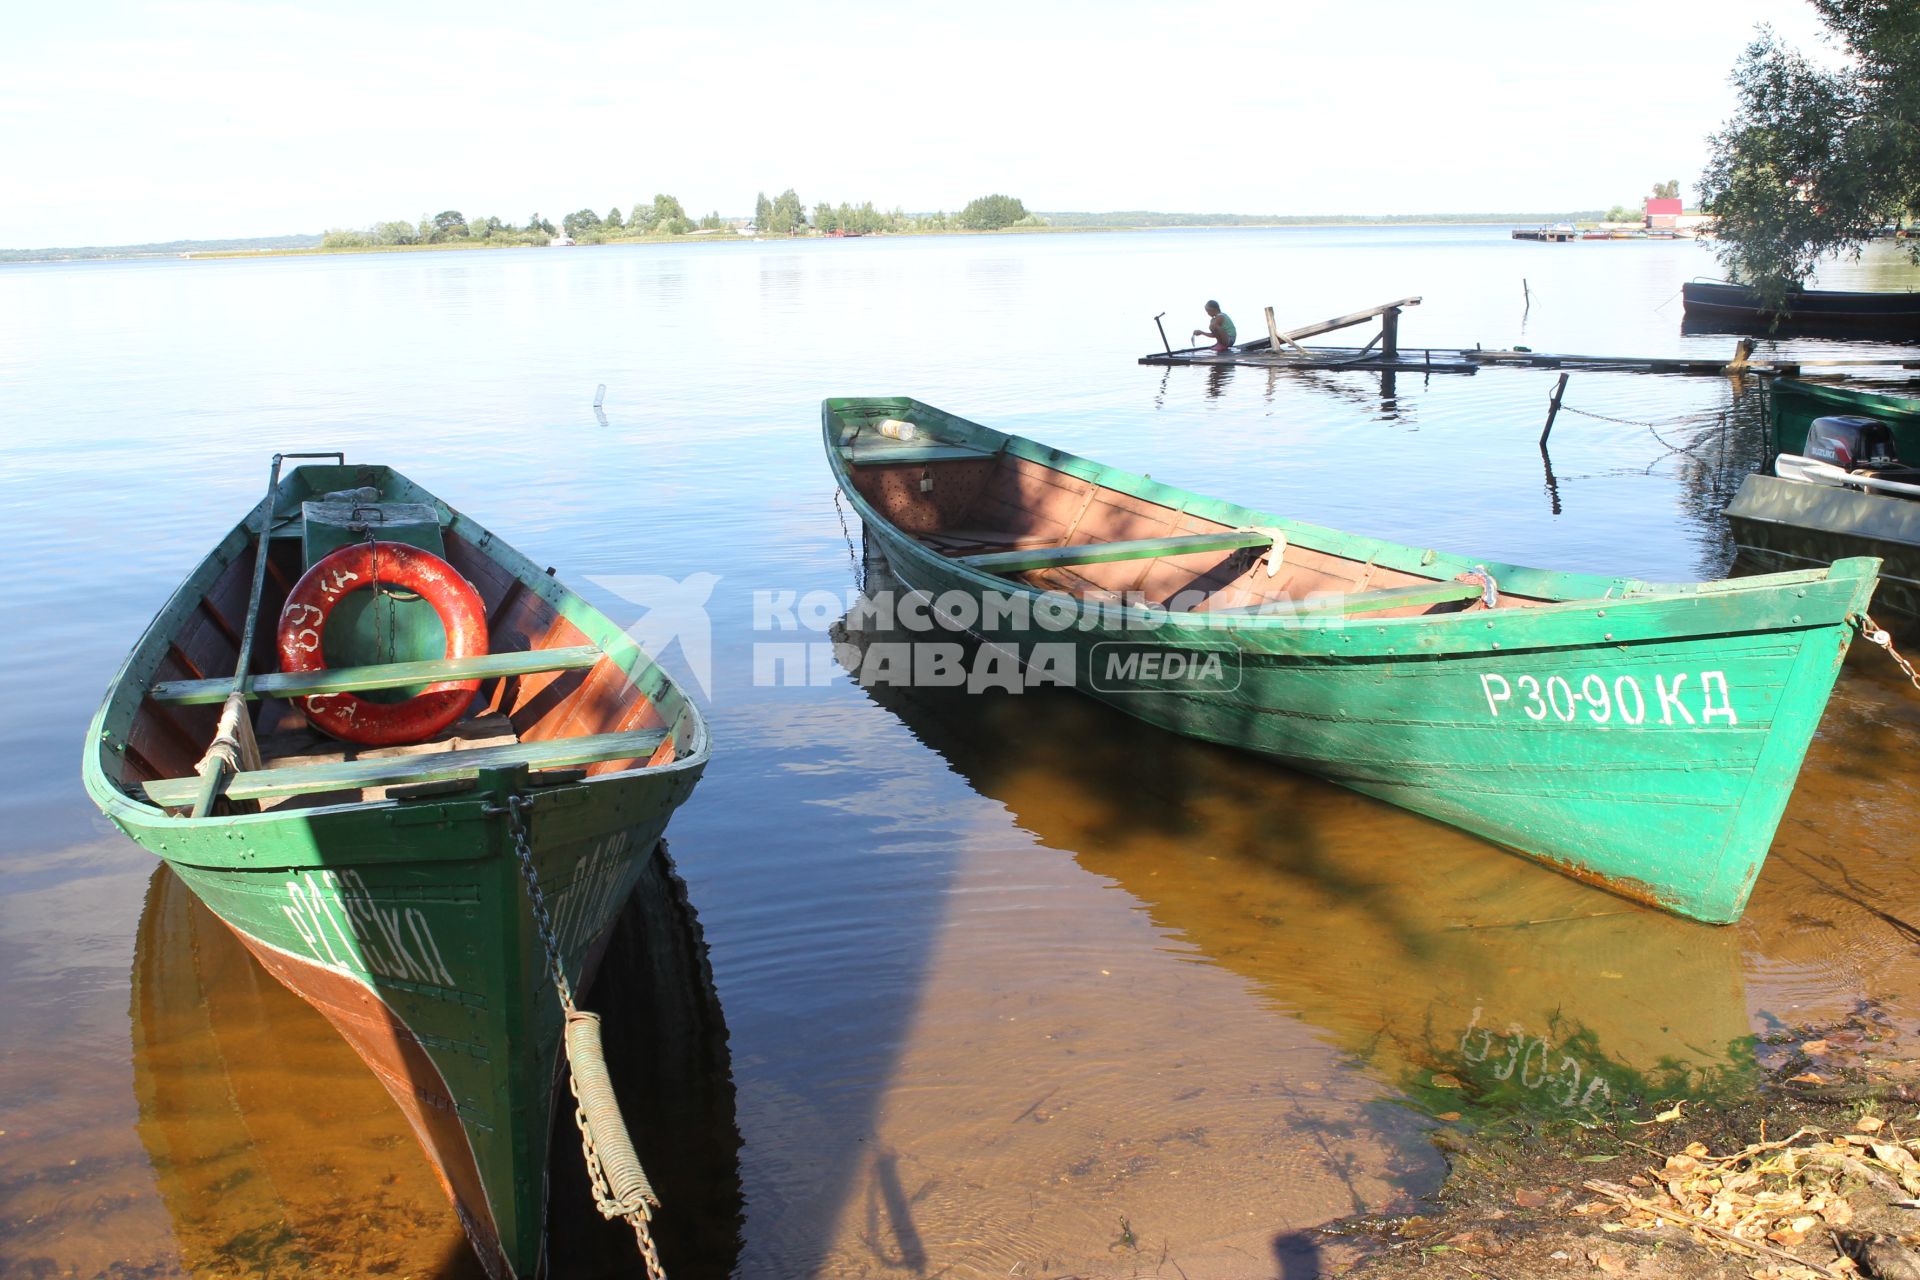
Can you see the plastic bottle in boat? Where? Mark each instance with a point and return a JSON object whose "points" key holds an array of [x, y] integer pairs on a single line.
{"points": [[896, 429]]}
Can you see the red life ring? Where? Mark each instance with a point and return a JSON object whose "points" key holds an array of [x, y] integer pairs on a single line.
{"points": [[304, 621]]}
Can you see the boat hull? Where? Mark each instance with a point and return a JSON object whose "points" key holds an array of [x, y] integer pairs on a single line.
{"points": [[1646, 745], [417, 942], [1785, 524], [1866, 314]]}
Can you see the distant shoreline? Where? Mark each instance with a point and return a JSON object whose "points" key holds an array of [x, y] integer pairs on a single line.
{"points": [[277, 246]]}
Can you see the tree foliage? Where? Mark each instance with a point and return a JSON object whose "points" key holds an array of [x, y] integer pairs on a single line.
{"points": [[1817, 159], [787, 216], [1668, 190], [991, 213]]}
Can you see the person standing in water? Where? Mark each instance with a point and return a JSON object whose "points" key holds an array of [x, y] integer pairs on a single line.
{"points": [[1219, 327]]}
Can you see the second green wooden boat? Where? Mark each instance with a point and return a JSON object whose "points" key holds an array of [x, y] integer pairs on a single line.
{"points": [[385, 885], [1641, 736]]}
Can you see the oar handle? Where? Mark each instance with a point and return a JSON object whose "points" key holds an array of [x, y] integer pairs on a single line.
{"points": [[219, 767]]}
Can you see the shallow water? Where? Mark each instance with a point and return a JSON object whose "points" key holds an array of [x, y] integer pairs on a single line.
{"points": [[1012, 986]]}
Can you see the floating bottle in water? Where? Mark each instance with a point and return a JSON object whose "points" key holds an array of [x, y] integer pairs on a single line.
{"points": [[896, 429]]}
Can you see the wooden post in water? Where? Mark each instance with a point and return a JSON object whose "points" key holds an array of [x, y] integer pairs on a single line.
{"points": [[1273, 332], [1390, 333], [1553, 409]]}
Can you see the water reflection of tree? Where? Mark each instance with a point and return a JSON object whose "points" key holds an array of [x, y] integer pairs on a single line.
{"points": [[1715, 450]]}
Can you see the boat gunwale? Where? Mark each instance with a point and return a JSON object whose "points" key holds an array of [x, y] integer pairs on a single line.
{"points": [[125, 692], [1849, 572]]}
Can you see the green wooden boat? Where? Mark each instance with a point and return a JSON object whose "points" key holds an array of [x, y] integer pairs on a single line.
{"points": [[1793, 405], [1641, 736], [384, 885]]}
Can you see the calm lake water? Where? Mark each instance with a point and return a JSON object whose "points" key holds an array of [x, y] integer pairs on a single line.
{"points": [[1010, 986]]}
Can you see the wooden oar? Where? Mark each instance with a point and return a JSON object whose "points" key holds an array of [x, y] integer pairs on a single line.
{"points": [[218, 765]]}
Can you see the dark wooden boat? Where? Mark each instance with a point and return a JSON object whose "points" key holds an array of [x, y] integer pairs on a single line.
{"points": [[1641, 736], [387, 885], [1864, 313]]}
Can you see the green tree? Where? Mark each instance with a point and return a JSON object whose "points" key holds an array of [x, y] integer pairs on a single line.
{"points": [[449, 225], [1816, 159], [825, 221], [579, 222], [990, 213], [612, 221], [1668, 190], [395, 233], [640, 217], [669, 217], [788, 215], [762, 212]]}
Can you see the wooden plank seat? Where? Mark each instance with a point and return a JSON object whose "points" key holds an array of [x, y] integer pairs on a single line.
{"points": [[868, 455], [552, 753], [1417, 594], [389, 675], [1106, 552]]}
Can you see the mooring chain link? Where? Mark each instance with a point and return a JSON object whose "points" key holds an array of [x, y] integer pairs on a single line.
{"points": [[1874, 633], [1629, 422], [853, 557], [638, 1209]]}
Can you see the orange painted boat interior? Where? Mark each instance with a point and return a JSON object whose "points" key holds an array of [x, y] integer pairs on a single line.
{"points": [[1006, 503], [167, 740]]}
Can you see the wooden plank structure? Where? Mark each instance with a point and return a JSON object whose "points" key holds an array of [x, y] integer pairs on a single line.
{"points": [[1283, 349]]}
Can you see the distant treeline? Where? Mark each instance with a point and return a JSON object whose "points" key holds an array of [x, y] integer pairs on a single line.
{"points": [[161, 249], [785, 215]]}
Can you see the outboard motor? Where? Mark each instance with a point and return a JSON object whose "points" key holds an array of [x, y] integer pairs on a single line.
{"points": [[1853, 443]]}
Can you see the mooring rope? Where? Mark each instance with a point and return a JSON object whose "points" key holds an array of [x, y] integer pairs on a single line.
{"points": [[621, 1188]]}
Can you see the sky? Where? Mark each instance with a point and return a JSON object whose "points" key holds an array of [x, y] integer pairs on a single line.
{"points": [[137, 122]]}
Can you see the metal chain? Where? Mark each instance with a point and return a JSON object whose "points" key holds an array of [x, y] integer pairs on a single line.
{"points": [[853, 557], [516, 819], [1874, 633], [637, 1214], [1629, 422]]}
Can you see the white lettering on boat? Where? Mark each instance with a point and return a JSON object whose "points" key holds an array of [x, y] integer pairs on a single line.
{"points": [[345, 926], [1526, 1060], [1557, 698], [587, 902]]}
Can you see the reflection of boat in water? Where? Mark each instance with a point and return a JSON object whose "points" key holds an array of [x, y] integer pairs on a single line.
{"points": [[1410, 944], [383, 872], [278, 1155]]}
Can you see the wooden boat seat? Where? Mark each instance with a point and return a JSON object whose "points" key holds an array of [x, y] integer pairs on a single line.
{"points": [[1107, 552], [1418, 594], [866, 455], [956, 542], [388, 771], [389, 675]]}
